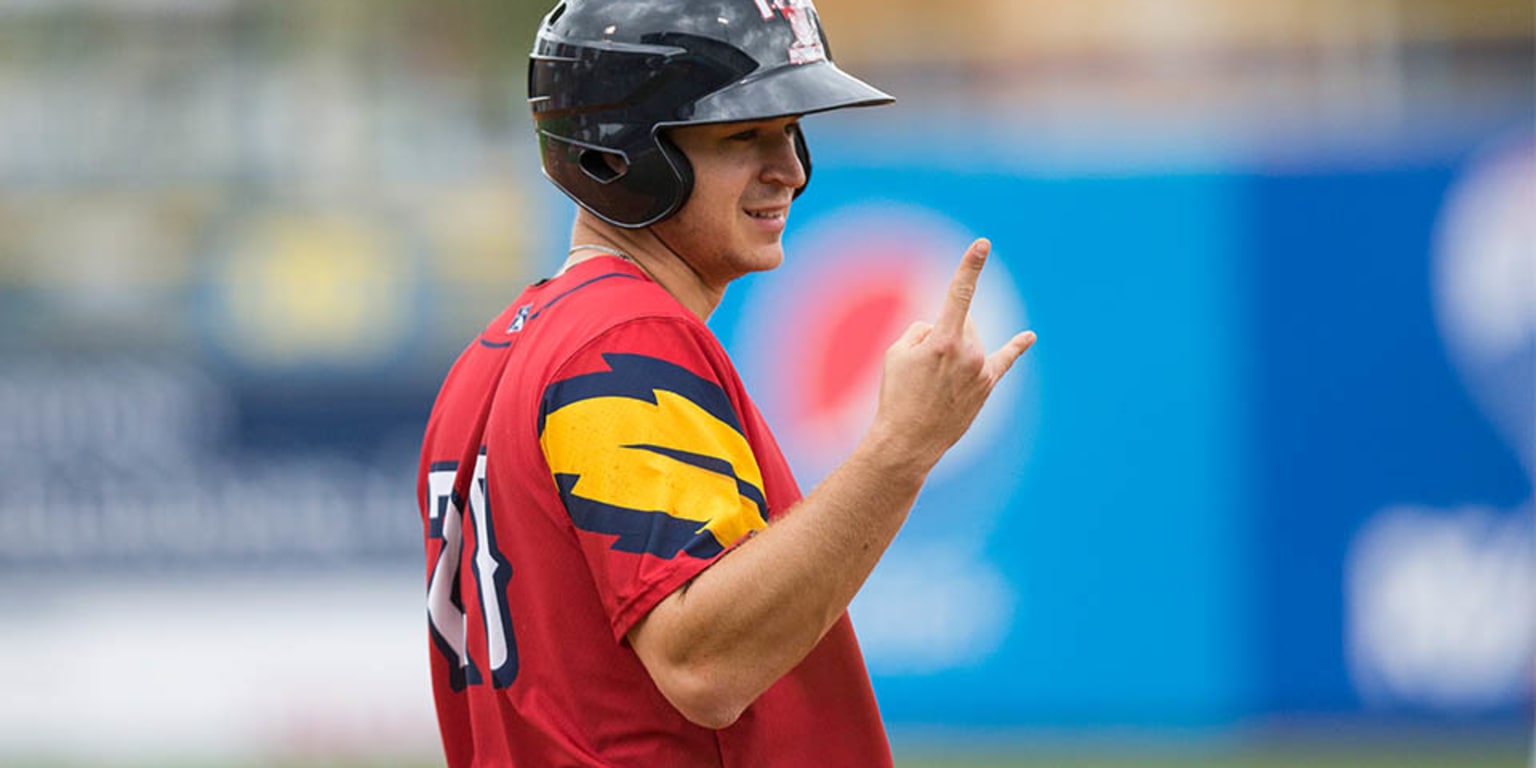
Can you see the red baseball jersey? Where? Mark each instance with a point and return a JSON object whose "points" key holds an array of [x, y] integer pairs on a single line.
{"points": [[589, 453]]}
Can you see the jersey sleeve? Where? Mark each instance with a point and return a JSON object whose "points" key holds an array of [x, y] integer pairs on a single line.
{"points": [[645, 443]]}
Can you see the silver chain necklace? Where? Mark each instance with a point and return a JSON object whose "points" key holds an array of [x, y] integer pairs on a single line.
{"points": [[601, 249], [611, 252]]}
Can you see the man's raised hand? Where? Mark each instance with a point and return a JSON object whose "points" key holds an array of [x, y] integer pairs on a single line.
{"points": [[938, 376]]}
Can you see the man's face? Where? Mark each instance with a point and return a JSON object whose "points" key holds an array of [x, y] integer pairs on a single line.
{"points": [[744, 177]]}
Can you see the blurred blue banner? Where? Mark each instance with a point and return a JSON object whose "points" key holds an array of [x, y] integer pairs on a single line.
{"points": [[1174, 513], [1394, 395]]}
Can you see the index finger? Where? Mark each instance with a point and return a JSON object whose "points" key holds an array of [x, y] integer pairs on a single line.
{"points": [[957, 303]]}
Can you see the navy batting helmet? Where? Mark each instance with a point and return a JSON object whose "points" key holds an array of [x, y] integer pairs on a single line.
{"points": [[607, 77]]}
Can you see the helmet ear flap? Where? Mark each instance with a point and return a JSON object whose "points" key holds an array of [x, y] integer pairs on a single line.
{"points": [[803, 152], [653, 180], [682, 170]]}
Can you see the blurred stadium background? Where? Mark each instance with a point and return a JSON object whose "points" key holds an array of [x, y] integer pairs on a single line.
{"points": [[1262, 495]]}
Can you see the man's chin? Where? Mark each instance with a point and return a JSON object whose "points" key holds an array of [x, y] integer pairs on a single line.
{"points": [[768, 258]]}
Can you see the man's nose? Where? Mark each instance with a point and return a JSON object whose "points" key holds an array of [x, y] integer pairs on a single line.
{"points": [[783, 165]]}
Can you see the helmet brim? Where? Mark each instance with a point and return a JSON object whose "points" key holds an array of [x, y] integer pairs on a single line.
{"points": [[784, 91]]}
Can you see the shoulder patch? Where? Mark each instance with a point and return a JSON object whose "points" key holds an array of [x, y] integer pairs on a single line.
{"points": [[653, 454]]}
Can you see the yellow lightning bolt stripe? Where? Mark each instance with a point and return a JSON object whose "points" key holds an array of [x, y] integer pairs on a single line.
{"points": [[588, 438]]}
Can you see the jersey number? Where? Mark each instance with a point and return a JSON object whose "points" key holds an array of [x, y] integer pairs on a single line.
{"points": [[445, 604]]}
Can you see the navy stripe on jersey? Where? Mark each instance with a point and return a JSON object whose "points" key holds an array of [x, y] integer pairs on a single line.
{"points": [[713, 464], [649, 532], [639, 377]]}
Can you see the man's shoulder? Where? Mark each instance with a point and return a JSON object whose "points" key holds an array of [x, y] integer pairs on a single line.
{"points": [[604, 297], [608, 292], [572, 323]]}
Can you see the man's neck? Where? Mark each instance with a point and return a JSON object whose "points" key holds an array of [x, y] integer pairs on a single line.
{"points": [[641, 246]]}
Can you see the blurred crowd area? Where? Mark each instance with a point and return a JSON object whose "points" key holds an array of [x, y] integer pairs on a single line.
{"points": [[167, 167], [168, 170]]}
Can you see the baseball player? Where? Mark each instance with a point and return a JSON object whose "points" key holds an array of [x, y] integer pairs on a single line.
{"points": [[621, 569]]}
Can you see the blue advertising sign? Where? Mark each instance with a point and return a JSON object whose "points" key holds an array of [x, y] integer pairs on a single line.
{"points": [[1396, 418]]}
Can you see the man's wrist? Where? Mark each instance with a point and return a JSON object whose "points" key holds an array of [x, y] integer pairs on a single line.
{"points": [[894, 459]]}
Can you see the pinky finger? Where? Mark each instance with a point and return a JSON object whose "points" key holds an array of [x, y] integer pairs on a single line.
{"points": [[999, 362]]}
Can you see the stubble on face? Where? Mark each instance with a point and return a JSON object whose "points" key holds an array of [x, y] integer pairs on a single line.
{"points": [[745, 176]]}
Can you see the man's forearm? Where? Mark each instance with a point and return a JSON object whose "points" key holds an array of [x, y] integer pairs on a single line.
{"points": [[743, 623], [749, 618]]}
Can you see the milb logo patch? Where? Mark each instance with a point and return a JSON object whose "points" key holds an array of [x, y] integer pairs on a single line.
{"points": [[654, 455]]}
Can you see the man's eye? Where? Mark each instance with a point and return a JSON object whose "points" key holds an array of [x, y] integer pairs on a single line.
{"points": [[747, 135]]}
